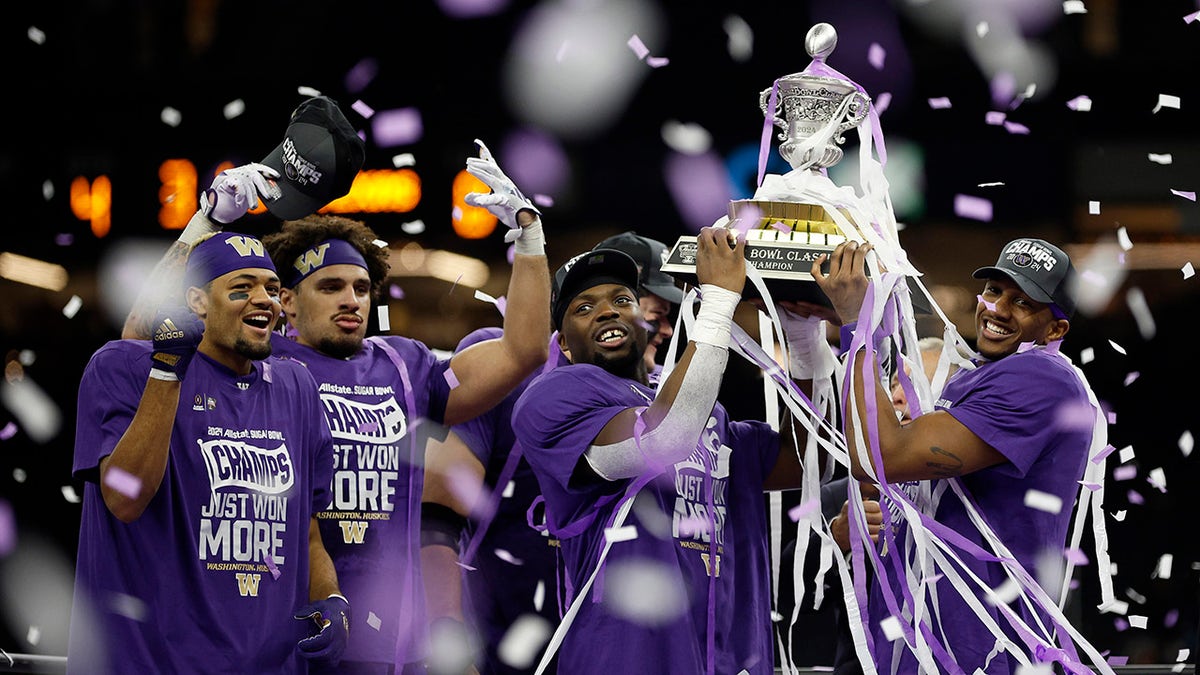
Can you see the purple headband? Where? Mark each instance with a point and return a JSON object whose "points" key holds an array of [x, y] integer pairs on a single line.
{"points": [[223, 253], [324, 254]]}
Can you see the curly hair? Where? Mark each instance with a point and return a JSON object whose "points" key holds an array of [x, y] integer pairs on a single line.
{"points": [[297, 236]]}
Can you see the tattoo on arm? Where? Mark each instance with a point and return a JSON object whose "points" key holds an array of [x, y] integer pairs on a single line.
{"points": [[160, 286], [948, 467]]}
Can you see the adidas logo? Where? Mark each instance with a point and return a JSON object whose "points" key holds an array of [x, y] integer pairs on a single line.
{"points": [[167, 330]]}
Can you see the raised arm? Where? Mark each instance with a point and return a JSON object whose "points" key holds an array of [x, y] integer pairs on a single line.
{"points": [[487, 371], [144, 447], [679, 413], [232, 193], [934, 445]]}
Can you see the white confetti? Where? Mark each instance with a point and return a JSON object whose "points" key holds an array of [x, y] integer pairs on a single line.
{"points": [[1080, 104], [47, 190], [1136, 301], [523, 641], [1188, 270], [308, 92], [385, 323], [234, 108], [1137, 621], [19, 475], [37, 413], [1035, 669], [1185, 443], [379, 243], [741, 38], [1163, 159], [36, 35], [539, 595], [127, 606], [1115, 606], [623, 533], [891, 628], [1094, 209], [982, 28], [1162, 569], [404, 159], [1189, 18], [373, 620], [995, 184], [1087, 355], [508, 557], [69, 494], [1074, 7], [1184, 653], [1122, 236], [72, 306], [170, 116], [1189, 195], [1167, 101], [508, 490], [413, 226], [1158, 478], [1116, 347], [1043, 501], [1119, 516], [689, 139], [33, 635], [1126, 453]]}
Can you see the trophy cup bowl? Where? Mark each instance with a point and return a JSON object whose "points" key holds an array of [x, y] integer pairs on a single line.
{"points": [[811, 104]]}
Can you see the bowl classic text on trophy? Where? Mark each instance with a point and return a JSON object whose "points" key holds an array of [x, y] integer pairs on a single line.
{"points": [[784, 236]]}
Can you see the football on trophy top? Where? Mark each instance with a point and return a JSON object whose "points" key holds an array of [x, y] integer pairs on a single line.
{"points": [[784, 236]]}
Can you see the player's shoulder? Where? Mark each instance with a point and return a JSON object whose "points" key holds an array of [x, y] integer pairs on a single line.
{"points": [[122, 351]]}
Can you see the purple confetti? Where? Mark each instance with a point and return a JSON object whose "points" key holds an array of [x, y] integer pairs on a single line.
{"points": [[1075, 556], [467, 9], [995, 118], [271, 565], [362, 109], [401, 126], [800, 510], [1076, 416], [1080, 103], [450, 378], [1108, 450], [543, 200], [1135, 497], [1121, 625], [501, 304], [699, 186], [876, 55], [361, 75], [1119, 660], [990, 305], [975, 208], [778, 225], [123, 482], [511, 254], [1003, 87], [64, 239], [1190, 196], [882, 101], [1125, 472], [1189, 18], [1015, 128], [396, 292], [8, 529], [1170, 618], [657, 61], [368, 427], [8, 431], [940, 103], [639, 49]]}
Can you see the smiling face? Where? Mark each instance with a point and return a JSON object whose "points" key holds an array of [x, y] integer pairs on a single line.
{"points": [[238, 309], [329, 309], [603, 326], [656, 311], [1013, 318]]}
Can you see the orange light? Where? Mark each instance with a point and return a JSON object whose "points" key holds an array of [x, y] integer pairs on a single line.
{"points": [[472, 222], [176, 193], [93, 203], [379, 190]]}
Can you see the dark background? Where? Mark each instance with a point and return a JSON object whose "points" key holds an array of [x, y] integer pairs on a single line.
{"points": [[87, 102]]}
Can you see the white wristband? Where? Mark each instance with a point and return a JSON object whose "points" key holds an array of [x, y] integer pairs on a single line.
{"points": [[164, 375], [196, 228], [531, 241], [715, 318]]}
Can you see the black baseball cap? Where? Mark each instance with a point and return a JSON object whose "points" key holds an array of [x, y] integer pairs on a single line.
{"points": [[317, 160], [1041, 269], [648, 254], [595, 267]]}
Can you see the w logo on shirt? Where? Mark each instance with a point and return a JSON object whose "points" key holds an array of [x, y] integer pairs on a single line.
{"points": [[353, 531], [311, 259], [248, 584], [246, 246]]}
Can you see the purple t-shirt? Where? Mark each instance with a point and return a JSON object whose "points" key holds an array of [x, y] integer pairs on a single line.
{"points": [[673, 544], [372, 528], [209, 577], [1015, 405]]}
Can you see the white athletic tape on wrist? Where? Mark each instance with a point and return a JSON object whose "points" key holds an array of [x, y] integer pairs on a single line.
{"points": [[164, 375], [531, 241], [715, 317]]}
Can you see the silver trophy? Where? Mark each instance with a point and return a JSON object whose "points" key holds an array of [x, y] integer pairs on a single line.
{"points": [[784, 237]]}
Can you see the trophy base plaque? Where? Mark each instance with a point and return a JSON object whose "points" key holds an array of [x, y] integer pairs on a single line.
{"points": [[783, 241]]}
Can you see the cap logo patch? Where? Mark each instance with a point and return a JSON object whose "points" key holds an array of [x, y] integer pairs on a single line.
{"points": [[296, 167], [1029, 254]]}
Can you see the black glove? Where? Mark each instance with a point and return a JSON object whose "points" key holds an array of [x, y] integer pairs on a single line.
{"points": [[177, 333], [330, 631]]}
